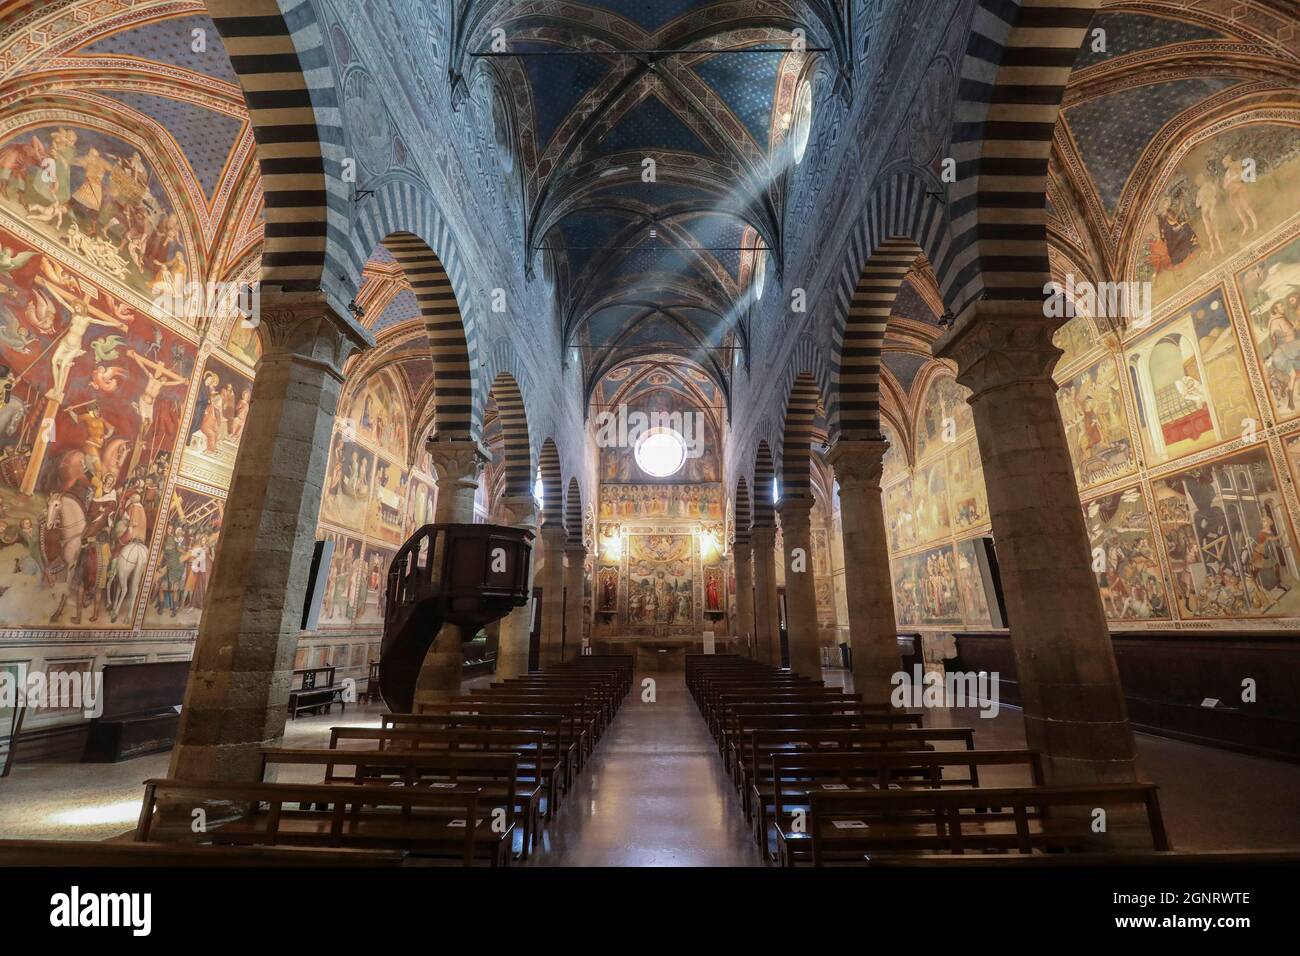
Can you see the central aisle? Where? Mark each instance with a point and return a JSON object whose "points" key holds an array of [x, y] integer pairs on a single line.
{"points": [[656, 793]]}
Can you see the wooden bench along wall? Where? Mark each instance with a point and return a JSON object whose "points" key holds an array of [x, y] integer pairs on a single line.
{"points": [[315, 692]]}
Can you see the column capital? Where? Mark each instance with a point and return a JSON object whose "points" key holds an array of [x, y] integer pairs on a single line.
{"points": [[576, 549], [762, 536], [457, 460], [742, 550], [858, 462], [554, 535], [305, 327], [1002, 343], [518, 511]]}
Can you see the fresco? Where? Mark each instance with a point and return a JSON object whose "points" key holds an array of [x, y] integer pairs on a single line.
{"points": [[1271, 290], [217, 423], [376, 415], [970, 504], [661, 501], [371, 502], [1189, 383], [97, 196], [618, 463], [1075, 339], [970, 585], [944, 416], [244, 344], [1124, 557], [930, 502], [386, 519], [1096, 424], [900, 521], [187, 549], [714, 590], [1208, 211], [422, 495], [1228, 539], [894, 462], [354, 586], [925, 588], [348, 480], [89, 418], [660, 587], [608, 589]]}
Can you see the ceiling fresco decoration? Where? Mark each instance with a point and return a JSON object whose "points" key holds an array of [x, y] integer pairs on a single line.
{"points": [[1163, 72], [704, 90]]}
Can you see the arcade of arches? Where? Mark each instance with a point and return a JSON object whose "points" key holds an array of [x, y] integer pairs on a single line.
{"points": [[850, 338]]}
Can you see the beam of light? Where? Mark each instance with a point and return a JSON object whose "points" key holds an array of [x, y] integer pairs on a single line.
{"points": [[125, 812]]}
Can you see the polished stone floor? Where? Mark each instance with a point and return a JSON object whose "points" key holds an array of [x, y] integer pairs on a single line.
{"points": [[655, 793]]}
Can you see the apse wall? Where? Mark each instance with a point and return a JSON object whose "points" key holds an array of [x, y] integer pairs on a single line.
{"points": [[660, 567]]}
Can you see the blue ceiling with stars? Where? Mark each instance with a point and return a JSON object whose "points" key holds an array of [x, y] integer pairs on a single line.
{"points": [[695, 87]]}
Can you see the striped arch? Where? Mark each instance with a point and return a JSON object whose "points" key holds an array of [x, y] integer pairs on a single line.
{"points": [[764, 477], [497, 358], [548, 462], [796, 446], [742, 511], [808, 357], [573, 513], [514, 432], [293, 107], [901, 221], [403, 218], [1017, 64]]}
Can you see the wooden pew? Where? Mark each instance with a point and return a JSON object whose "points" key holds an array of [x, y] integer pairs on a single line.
{"points": [[600, 694], [88, 853], [850, 827], [810, 695], [760, 742], [494, 775], [442, 824], [555, 752], [546, 701], [738, 719], [796, 775], [533, 764], [569, 717]]}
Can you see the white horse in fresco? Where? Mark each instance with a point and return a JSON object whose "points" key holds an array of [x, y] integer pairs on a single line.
{"points": [[125, 577], [65, 522]]}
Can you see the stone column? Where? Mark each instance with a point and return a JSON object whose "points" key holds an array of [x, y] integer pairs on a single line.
{"points": [[552, 583], [872, 632], [800, 588], [767, 611], [238, 687], [743, 611], [512, 646], [457, 465], [1069, 684], [574, 555]]}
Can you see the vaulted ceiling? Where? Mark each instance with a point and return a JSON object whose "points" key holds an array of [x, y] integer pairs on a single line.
{"points": [[653, 140]]}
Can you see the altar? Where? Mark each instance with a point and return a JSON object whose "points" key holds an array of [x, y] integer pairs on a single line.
{"points": [[666, 653]]}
